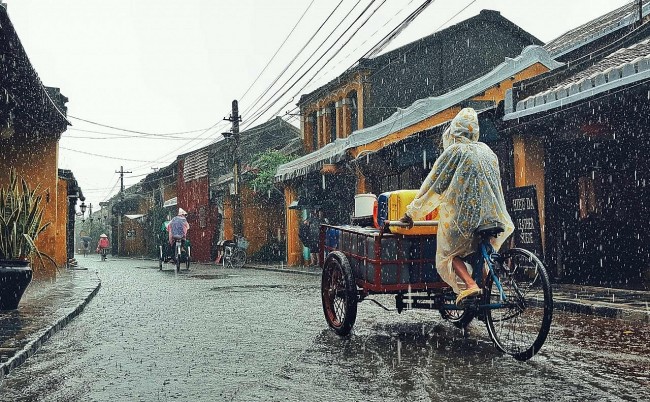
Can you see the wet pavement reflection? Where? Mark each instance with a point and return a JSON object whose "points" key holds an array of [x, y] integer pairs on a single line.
{"points": [[246, 335]]}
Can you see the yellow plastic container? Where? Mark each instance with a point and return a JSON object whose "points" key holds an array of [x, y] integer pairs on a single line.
{"points": [[397, 203]]}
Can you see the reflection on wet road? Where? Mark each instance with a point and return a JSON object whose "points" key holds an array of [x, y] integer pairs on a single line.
{"points": [[212, 335]]}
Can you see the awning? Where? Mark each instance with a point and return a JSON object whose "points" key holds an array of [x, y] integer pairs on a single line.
{"points": [[136, 216], [331, 153], [170, 202]]}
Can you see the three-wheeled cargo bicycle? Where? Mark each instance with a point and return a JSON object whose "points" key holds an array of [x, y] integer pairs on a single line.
{"points": [[516, 302]]}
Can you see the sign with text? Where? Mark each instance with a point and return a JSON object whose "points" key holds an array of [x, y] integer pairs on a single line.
{"points": [[522, 206]]}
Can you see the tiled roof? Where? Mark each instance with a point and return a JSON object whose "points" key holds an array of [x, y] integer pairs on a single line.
{"points": [[597, 28], [22, 93], [623, 67]]}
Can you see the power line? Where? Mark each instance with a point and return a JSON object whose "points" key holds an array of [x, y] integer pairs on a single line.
{"points": [[260, 113], [268, 88], [398, 29], [278, 50], [412, 46], [102, 156], [134, 131]]}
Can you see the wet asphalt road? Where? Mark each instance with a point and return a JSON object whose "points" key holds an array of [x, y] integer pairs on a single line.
{"points": [[245, 335]]}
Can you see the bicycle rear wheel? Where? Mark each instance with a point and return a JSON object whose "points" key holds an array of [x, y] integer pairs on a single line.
{"points": [[238, 258], [178, 257], [459, 318], [521, 326]]}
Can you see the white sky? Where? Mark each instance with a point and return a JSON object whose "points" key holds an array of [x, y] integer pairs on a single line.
{"points": [[162, 66]]}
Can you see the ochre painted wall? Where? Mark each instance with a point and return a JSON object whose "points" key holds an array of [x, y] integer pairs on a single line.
{"points": [[294, 246], [261, 220], [60, 254], [36, 162], [343, 116]]}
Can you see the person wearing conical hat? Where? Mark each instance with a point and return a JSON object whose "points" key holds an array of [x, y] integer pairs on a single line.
{"points": [[178, 226], [465, 184], [103, 242]]}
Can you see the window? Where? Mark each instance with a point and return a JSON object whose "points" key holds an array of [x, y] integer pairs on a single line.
{"points": [[314, 131], [331, 108], [354, 113]]}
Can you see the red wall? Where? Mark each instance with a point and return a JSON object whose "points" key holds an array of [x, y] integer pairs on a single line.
{"points": [[192, 196]]}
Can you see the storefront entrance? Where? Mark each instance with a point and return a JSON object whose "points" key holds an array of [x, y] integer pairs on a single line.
{"points": [[598, 211]]}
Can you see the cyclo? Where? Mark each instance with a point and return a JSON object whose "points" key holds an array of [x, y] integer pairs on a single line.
{"points": [[181, 253], [516, 303]]}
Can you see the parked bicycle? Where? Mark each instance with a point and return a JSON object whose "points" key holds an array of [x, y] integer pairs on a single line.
{"points": [[234, 252]]}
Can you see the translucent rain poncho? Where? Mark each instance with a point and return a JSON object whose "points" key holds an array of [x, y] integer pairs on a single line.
{"points": [[465, 184]]}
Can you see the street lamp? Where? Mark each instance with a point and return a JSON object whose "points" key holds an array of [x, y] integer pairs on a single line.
{"points": [[82, 208]]}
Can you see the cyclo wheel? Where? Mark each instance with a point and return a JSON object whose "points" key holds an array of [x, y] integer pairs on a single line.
{"points": [[160, 257], [520, 329], [178, 257], [238, 258], [339, 293], [187, 258], [459, 318]]}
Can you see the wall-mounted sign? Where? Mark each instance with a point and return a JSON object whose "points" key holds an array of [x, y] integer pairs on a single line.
{"points": [[522, 206]]}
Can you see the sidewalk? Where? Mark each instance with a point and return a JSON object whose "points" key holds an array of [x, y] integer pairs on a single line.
{"points": [[633, 305], [45, 308]]}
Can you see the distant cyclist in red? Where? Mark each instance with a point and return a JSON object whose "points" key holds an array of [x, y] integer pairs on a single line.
{"points": [[103, 242]]}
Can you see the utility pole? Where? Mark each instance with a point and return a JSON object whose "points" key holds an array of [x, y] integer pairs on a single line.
{"points": [[121, 172], [119, 216], [238, 220], [641, 11]]}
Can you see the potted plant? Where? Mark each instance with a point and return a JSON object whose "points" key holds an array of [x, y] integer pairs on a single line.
{"points": [[21, 215]]}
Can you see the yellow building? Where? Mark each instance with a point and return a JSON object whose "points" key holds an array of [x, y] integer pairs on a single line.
{"points": [[32, 119]]}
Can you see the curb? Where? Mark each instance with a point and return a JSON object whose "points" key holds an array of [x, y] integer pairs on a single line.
{"points": [[601, 310], [283, 270], [33, 345]]}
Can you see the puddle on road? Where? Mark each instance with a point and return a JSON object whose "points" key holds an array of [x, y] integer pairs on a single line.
{"points": [[211, 276], [252, 287]]}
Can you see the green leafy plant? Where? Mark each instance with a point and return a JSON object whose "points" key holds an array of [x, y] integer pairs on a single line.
{"points": [[266, 164], [21, 216]]}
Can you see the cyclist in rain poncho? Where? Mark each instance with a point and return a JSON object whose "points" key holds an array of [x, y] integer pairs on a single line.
{"points": [[466, 185]]}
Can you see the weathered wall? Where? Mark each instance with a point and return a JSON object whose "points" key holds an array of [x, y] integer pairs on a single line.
{"points": [[36, 162]]}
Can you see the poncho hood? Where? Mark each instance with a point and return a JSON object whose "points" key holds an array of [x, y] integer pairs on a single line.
{"points": [[464, 128]]}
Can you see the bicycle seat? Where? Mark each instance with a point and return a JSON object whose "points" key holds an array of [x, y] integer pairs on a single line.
{"points": [[490, 229]]}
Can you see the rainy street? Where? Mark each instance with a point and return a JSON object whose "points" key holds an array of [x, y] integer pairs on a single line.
{"points": [[240, 335]]}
